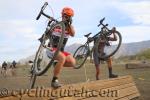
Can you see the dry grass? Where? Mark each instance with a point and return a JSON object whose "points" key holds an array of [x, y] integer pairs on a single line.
{"points": [[69, 75]]}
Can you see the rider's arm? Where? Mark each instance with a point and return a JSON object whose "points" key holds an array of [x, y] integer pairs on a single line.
{"points": [[114, 38], [71, 30]]}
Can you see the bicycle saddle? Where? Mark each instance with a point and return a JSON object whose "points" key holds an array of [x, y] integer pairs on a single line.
{"points": [[87, 35]]}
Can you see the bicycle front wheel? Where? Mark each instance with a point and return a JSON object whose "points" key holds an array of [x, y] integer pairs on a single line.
{"points": [[81, 55], [108, 48], [32, 80], [42, 61]]}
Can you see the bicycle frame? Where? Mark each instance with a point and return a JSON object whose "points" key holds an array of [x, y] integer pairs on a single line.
{"points": [[104, 28], [90, 50]]}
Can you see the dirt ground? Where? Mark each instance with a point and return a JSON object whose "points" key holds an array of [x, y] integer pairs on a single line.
{"points": [[19, 78]]}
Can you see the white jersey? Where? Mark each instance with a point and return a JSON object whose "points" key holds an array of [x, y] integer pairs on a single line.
{"points": [[57, 32]]}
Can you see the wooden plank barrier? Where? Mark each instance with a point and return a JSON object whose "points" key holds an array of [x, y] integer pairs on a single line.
{"points": [[121, 88], [137, 65]]}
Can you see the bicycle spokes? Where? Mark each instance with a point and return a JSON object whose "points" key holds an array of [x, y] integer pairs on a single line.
{"points": [[81, 55], [48, 48]]}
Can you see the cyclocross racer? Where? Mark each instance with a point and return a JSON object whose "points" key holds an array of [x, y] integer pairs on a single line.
{"points": [[63, 58]]}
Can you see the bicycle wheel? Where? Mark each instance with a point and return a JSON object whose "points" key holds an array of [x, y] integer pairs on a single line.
{"points": [[110, 48], [32, 79], [81, 55], [42, 62]]}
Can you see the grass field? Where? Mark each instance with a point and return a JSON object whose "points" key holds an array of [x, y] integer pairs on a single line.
{"points": [[68, 75]]}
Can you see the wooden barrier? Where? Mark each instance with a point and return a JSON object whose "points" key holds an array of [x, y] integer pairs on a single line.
{"points": [[122, 88], [137, 65]]}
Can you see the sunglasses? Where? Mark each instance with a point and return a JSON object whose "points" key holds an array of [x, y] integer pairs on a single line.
{"points": [[66, 16]]}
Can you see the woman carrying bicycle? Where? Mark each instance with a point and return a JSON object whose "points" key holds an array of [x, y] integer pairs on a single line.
{"points": [[63, 58]]}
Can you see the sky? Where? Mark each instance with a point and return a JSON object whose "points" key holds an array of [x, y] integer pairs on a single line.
{"points": [[19, 29]]}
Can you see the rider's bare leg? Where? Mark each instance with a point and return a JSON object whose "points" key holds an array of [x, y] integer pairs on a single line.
{"points": [[70, 61], [61, 60], [97, 71]]}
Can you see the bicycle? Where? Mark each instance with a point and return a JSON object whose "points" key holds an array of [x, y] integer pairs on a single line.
{"points": [[82, 52], [40, 65]]}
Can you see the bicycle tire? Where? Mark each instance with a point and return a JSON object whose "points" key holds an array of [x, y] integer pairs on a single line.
{"points": [[112, 52], [32, 80], [79, 55], [36, 67]]}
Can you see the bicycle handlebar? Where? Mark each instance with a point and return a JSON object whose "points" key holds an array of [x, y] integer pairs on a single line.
{"points": [[101, 23], [42, 13], [42, 9]]}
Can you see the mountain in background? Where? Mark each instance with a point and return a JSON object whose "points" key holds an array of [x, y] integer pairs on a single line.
{"points": [[72, 48], [126, 49]]}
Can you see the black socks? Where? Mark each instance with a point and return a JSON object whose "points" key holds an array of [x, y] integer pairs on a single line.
{"points": [[110, 71]]}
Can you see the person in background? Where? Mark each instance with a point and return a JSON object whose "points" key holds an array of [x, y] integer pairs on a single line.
{"points": [[14, 64], [97, 60], [4, 68], [4, 65]]}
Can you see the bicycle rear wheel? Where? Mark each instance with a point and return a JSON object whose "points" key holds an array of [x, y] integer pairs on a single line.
{"points": [[110, 48], [42, 62], [81, 55]]}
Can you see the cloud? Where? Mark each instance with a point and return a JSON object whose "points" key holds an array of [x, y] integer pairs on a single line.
{"points": [[73, 40], [19, 28], [6, 48], [10, 53], [20, 31], [134, 33], [138, 11], [18, 39], [14, 9]]}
